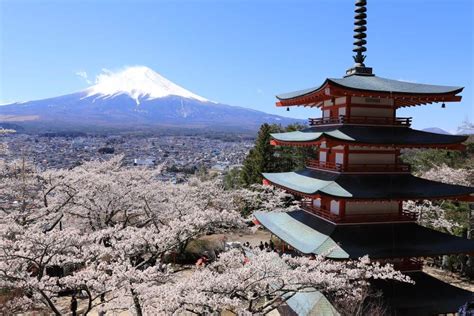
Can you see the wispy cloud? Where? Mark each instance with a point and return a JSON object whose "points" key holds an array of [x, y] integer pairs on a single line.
{"points": [[82, 74], [259, 91]]}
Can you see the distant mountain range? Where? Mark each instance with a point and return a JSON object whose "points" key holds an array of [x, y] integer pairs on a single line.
{"points": [[465, 128], [436, 130], [136, 98]]}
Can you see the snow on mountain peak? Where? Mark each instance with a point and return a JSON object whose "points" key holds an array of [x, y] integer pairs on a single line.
{"points": [[138, 82]]}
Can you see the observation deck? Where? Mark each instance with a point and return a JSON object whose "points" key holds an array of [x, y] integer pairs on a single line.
{"points": [[358, 168], [404, 216], [361, 120]]}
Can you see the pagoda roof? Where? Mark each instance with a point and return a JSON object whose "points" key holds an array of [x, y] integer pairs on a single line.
{"points": [[310, 234], [376, 135], [365, 186], [428, 296], [376, 84]]}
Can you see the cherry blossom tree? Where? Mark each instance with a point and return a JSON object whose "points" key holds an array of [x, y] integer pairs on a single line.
{"points": [[265, 198], [432, 214], [256, 282], [110, 233], [123, 216]]}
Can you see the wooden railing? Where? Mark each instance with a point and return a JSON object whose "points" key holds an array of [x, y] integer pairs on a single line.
{"points": [[317, 164], [374, 167], [308, 206], [370, 120], [377, 167], [405, 216]]}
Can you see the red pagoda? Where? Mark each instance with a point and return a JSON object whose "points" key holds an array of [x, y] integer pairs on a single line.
{"points": [[352, 192]]}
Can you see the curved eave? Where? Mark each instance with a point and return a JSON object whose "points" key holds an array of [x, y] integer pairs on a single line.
{"points": [[366, 187], [336, 142], [302, 93], [428, 296], [305, 185], [403, 97], [300, 236], [436, 90], [342, 135], [310, 234]]}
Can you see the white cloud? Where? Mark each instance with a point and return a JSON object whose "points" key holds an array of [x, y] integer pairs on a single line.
{"points": [[259, 91], [83, 75]]}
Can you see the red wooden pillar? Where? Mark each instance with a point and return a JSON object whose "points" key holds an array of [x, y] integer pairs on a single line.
{"points": [[348, 106], [342, 209], [346, 157]]}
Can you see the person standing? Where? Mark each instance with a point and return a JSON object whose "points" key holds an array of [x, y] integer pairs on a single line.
{"points": [[74, 305]]}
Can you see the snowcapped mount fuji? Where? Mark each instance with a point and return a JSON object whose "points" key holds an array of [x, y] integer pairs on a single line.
{"points": [[134, 98], [139, 82]]}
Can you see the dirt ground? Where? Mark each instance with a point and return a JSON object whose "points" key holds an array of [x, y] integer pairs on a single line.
{"points": [[253, 238]]}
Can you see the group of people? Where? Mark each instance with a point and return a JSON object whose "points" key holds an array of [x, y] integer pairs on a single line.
{"points": [[268, 246]]}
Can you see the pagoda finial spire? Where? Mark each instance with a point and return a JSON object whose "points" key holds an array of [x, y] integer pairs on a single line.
{"points": [[359, 32], [359, 40]]}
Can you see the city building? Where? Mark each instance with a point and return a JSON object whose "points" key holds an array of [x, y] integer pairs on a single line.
{"points": [[351, 195]]}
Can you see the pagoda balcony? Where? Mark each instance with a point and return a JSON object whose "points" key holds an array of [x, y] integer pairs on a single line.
{"points": [[361, 120], [362, 168], [404, 216]]}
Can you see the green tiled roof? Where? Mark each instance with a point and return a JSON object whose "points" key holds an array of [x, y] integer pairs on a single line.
{"points": [[298, 235], [365, 186], [297, 136], [312, 303], [428, 296], [310, 234], [370, 135], [305, 184], [307, 136], [377, 84]]}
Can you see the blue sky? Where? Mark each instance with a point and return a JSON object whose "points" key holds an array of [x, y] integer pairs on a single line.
{"points": [[237, 52]]}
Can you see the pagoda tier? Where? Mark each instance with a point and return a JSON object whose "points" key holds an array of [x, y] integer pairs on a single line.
{"points": [[428, 296], [363, 86], [404, 186], [309, 234], [367, 136]]}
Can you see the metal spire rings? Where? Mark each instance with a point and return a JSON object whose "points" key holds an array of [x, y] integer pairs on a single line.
{"points": [[359, 32]]}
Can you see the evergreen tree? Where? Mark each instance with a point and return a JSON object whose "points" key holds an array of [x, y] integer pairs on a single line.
{"points": [[261, 157], [267, 158], [233, 179]]}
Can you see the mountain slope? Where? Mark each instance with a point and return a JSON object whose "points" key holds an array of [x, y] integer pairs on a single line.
{"points": [[436, 130], [135, 98]]}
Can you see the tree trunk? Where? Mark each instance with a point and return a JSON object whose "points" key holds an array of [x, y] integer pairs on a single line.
{"points": [[50, 303], [136, 302], [470, 235]]}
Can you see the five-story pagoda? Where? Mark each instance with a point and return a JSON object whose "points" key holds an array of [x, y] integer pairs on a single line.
{"points": [[352, 193]]}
